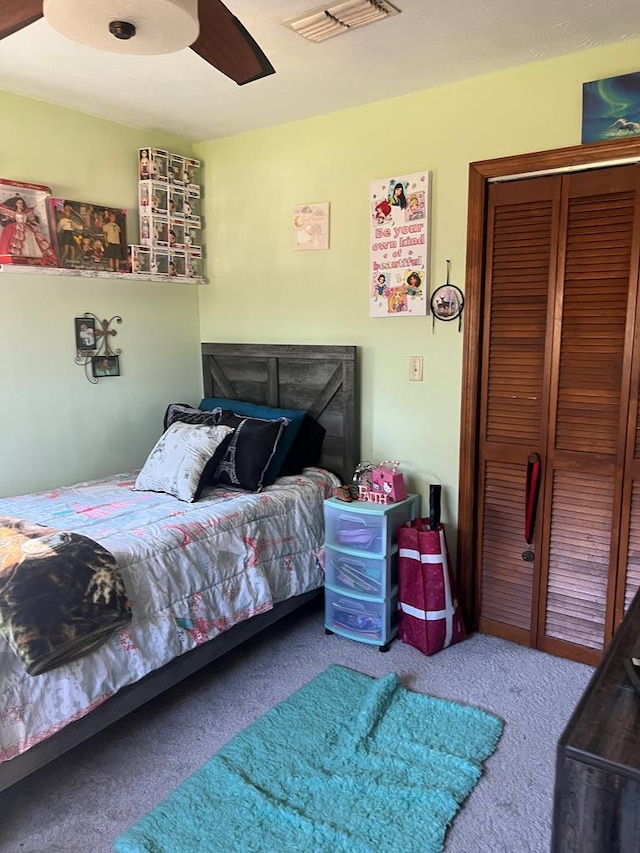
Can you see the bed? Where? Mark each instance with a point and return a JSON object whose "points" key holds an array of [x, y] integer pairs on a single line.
{"points": [[179, 561]]}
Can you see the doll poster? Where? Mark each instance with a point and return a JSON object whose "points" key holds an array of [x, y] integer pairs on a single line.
{"points": [[25, 236], [399, 245], [89, 236]]}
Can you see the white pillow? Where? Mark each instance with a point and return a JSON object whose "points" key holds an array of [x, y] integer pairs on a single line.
{"points": [[177, 462]]}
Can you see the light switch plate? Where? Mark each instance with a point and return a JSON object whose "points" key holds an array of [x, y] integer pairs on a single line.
{"points": [[415, 368]]}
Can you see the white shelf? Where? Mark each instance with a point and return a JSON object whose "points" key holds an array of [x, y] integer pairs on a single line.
{"points": [[26, 269]]}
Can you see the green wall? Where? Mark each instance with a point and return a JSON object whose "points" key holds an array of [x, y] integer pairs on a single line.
{"points": [[261, 290], [55, 427]]}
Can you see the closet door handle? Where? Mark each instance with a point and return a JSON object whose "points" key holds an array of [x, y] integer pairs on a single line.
{"points": [[531, 495]]}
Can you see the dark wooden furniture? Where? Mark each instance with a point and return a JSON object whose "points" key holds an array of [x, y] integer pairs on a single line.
{"points": [[319, 379], [597, 791]]}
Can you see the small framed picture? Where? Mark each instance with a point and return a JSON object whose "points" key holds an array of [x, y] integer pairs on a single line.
{"points": [[447, 302], [311, 226], [610, 108], [85, 334], [105, 365]]}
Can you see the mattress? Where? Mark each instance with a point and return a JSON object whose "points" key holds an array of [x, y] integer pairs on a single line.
{"points": [[191, 571]]}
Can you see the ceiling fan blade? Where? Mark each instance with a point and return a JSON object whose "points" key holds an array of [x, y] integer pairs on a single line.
{"points": [[224, 43], [19, 14]]}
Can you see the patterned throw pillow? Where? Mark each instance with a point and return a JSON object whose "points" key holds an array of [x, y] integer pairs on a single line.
{"points": [[178, 463], [293, 418], [190, 415], [249, 452]]}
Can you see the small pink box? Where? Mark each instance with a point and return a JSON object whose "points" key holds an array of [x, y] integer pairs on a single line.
{"points": [[389, 482]]}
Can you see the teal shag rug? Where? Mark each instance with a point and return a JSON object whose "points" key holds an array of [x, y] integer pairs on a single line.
{"points": [[347, 764]]}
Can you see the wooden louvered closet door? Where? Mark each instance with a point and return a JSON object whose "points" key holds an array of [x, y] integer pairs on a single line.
{"points": [[560, 379]]}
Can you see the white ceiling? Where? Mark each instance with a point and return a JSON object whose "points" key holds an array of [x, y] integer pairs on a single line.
{"points": [[431, 43]]}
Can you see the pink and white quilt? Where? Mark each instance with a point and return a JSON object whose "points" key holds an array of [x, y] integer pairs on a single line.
{"points": [[190, 570]]}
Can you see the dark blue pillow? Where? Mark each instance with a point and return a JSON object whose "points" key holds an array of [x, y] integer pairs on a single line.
{"points": [[306, 449], [253, 410]]}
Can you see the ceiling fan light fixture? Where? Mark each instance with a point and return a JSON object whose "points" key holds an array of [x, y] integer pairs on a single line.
{"points": [[136, 27], [122, 29]]}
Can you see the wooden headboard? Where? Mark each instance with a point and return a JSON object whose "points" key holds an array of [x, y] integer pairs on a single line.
{"points": [[319, 379]]}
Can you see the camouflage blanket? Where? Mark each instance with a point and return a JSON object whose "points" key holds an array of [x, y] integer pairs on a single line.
{"points": [[61, 594]]}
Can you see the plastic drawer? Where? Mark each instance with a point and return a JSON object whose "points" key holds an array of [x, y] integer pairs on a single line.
{"points": [[357, 530], [362, 526], [366, 620], [359, 574]]}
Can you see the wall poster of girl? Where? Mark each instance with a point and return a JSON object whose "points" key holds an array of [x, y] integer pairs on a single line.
{"points": [[399, 225], [25, 236]]}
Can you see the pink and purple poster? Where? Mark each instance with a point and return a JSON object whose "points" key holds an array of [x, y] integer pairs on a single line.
{"points": [[399, 245]]}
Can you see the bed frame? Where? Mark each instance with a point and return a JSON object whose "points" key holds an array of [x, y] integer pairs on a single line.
{"points": [[319, 379]]}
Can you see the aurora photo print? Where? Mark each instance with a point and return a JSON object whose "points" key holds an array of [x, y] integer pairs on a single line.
{"points": [[611, 108]]}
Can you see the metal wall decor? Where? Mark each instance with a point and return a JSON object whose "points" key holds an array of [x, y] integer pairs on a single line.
{"points": [[447, 302], [93, 346]]}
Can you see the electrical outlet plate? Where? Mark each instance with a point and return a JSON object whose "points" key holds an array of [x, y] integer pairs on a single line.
{"points": [[415, 368]]}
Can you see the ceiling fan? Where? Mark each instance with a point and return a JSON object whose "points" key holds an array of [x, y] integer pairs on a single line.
{"points": [[143, 27]]}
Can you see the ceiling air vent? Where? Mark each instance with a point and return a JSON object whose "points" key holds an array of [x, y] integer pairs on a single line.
{"points": [[334, 20]]}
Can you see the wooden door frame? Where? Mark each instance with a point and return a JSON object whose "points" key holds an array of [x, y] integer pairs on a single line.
{"points": [[481, 174]]}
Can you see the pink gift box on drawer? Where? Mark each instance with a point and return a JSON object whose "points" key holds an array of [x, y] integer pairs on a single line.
{"points": [[390, 482]]}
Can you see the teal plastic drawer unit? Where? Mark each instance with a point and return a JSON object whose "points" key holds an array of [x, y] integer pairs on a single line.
{"points": [[361, 574]]}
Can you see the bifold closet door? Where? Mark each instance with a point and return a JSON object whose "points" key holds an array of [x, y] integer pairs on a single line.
{"points": [[628, 577], [557, 358], [628, 581], [523, 222], [590, 383]]}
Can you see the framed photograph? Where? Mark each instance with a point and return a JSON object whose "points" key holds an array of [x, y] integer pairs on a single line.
{"points": [[85, 328], [89, 236], [611, 108], [105, 365]]}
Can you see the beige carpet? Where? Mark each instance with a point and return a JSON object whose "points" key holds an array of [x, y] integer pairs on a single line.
{"points": [[81, 802]]}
